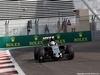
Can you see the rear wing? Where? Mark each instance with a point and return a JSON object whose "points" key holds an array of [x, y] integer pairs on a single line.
{"points": [[50, 38]]}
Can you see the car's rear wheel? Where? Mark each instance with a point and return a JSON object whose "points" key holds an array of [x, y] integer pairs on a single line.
{"points": [[36, 53], [70, 52], [41, 55]]}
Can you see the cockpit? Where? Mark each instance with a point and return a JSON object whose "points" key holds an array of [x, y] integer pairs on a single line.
{"points": [[52, 43]]}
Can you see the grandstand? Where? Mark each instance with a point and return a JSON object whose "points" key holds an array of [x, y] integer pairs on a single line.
{"points": [[14, 15]]}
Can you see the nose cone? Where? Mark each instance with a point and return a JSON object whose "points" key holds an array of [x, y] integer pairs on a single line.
{"points": [[56, 51], [57, 55]]}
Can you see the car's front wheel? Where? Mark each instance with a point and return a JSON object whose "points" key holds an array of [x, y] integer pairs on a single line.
{"points": [[70, 52], [41, 55], [35, 53]]}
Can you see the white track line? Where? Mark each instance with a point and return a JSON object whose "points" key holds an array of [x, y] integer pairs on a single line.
{"points": [[3, 55], [5, 65], [3, 58], [2, 51], [20, 72], [5, 61], [7, 70]]}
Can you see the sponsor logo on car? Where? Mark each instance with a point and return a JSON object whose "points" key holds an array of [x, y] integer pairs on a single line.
{"points": [[48, 38]]}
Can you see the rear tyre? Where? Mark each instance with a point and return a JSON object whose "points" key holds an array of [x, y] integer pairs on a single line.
{"points": [[41, 55], [70, 52], [36, 53]]}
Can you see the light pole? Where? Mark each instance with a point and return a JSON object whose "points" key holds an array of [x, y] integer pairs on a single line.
{"points": [[36, 26], [6, 28], [29, 26]]}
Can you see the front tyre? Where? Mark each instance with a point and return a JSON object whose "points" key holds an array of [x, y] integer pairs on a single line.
{"points": [[70, 52], [35, 53], [41, 55]]}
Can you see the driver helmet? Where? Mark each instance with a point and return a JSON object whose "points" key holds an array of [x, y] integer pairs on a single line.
{"points": [[52, 43]]}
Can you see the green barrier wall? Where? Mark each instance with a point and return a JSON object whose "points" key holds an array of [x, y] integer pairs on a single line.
{"points": [[34, 40]]}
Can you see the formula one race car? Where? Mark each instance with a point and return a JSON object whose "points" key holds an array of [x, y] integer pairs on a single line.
{"points": [[53, 51]]}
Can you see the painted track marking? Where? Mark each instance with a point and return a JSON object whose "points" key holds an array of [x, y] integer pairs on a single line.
{"points": [[8, 66]]}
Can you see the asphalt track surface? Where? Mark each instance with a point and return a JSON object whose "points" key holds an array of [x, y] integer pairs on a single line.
{"points": [[87, 60]]}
